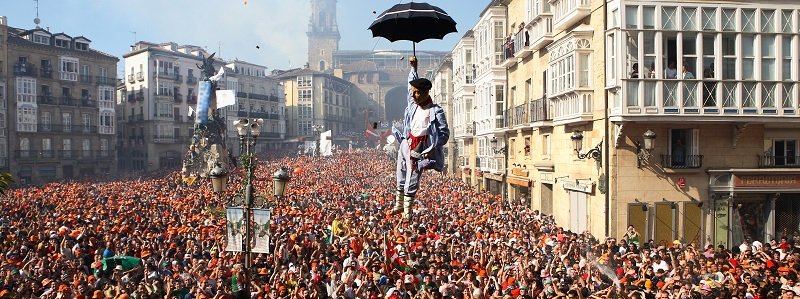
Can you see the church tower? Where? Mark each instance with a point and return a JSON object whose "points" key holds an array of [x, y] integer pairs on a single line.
{"points": [[323, 35]]}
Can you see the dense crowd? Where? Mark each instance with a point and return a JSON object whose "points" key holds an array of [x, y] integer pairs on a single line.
{"points": [[332, 238]]}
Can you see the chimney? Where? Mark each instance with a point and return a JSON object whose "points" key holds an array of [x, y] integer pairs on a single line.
{"points": [[4, 20]]}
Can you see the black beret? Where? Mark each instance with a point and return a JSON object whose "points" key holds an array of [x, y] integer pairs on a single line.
{"points": [[421, 83]]}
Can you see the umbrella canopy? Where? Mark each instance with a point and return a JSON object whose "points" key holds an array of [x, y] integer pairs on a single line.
{"points": [[413, 22], [127, 262]]}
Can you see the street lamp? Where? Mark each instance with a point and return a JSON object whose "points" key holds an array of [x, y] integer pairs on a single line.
{"points": [[495, 148], [248, 130], [577, 145], [643, 148], [317, 130], [279, 181]]}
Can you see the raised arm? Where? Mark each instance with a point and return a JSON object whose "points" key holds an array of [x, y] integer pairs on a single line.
{"points": [[412, 75]]}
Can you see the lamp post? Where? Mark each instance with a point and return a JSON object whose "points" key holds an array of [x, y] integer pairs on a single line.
{"points": [[248, 131], [317, 131], [504, 150]]}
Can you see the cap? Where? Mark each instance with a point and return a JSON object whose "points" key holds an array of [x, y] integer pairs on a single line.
{"points": [[421, 83], [676, 242], [118, 267]]}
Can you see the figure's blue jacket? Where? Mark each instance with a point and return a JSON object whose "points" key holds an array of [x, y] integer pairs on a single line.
{"points": [[438, 131]]}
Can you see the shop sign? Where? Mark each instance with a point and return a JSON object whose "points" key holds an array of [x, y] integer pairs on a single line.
{"points": [[519, 172], [578, 186], [768, 180], [492, 176]]}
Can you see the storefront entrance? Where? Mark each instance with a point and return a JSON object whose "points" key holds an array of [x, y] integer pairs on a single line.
{"points": [[755, 206]]}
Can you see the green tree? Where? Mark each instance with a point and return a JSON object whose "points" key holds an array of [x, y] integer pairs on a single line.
{"points": [[6, 179]]}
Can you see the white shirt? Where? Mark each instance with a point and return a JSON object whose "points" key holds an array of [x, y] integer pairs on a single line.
{"points": [[420, 121]]}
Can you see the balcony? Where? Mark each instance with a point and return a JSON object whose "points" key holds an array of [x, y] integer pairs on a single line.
{"points": [[682, 162], [103, 80], [517, 116], [178, 98], [726, 100], [191, 99], [46, 72], [106, 130], [572, 107], [140, 76], [256, 96], [85, 78], [568, 12], [541, 31], [166, 75], [139, 96], [508, 54], [104, 154], [771, 161], [539, 114], [241, 94], [46, 100], [163, 94], [24, 69], [87, 102], [522, 44], [166, 139], [66, 101], [191, 80], [61, 128], [69, 76]]}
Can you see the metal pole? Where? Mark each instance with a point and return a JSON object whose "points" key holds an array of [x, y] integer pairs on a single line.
{"points": [[248, 198]]}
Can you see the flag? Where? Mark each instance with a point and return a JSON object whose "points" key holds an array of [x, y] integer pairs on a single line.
{"points": [[191, 111], [189, 180], [225, 98], [393, 258]]}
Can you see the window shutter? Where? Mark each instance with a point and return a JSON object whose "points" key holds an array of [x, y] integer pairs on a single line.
{"points": [[695, 141]]}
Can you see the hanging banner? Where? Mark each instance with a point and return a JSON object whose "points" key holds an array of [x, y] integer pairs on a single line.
{"points": [[235, 229], [204, 99], [261, 230]]}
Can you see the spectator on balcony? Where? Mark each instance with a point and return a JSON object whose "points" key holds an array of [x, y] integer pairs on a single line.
{"points": [[510, 45], [635, 71], [686, 74], [671, 72], [678, 153], [651, 74], [708, 72]]}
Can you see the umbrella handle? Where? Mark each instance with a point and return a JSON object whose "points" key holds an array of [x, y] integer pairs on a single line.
{"points": [[414, 48]]}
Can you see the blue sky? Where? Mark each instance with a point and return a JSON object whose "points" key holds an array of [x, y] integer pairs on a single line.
{"points": [[229, 26]]}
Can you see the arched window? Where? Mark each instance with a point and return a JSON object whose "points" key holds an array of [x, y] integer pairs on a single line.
{"points": [[24, 148], [321, 65]]}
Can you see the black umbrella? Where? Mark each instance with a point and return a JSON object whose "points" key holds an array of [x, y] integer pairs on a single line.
{"points": [[413, 22]]}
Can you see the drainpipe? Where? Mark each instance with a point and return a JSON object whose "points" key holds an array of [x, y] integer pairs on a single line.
{"points": [[606, 125], [505, 135]]}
